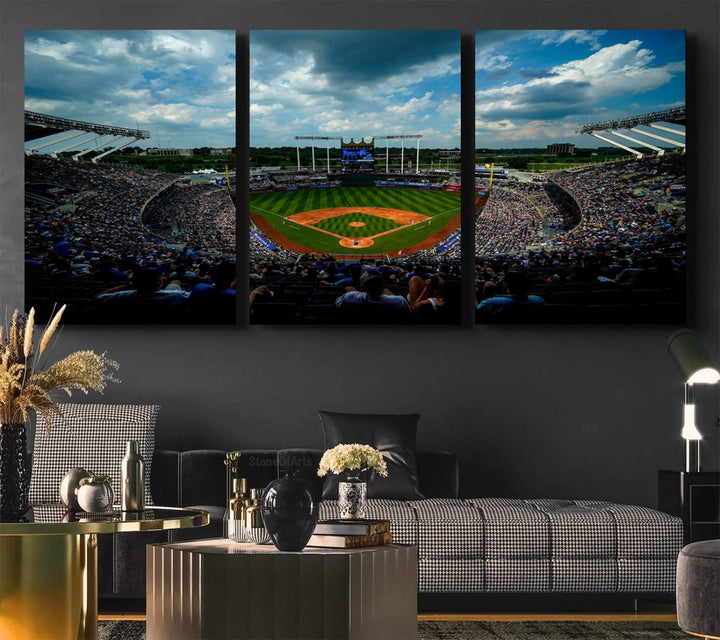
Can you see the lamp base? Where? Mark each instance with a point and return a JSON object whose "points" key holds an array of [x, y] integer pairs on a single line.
{"points": [[692, 455]]}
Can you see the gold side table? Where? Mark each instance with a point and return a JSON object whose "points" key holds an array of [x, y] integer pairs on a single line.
{"points": [[218, 589], [48, 567]]}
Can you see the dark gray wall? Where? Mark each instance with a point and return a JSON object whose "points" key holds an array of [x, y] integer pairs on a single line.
{"points": [[532, 411]]}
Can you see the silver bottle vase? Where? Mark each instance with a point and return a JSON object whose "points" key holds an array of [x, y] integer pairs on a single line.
{"points": [[132, 479]]}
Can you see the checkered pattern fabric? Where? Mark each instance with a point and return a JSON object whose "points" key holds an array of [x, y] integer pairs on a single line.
{"points": [[518, 575], [514, 529], [499, 545], [586, 574], [647, 574], [49, 513], [449, 529], [582, 534], [440, 575], [91, 436], [661, 537]]}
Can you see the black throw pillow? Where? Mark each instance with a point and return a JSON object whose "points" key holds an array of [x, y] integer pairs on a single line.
{"points": [[394, 436]]}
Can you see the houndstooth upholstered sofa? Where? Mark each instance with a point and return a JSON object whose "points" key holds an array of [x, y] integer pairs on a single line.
{"points": [[468, 548]]}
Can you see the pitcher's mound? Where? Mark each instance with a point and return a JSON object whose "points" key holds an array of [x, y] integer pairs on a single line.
{"points": [[356, 243]]}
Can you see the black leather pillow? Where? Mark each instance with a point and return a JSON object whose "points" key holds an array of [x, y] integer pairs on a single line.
{"points": [[393, 435]]}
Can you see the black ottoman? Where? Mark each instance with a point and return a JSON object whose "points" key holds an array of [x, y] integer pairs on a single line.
{"points": [[698, 589]]}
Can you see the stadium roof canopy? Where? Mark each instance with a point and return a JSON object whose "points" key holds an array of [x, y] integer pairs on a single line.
{"points": [[39, 126], [652, 120], [675, 116]]}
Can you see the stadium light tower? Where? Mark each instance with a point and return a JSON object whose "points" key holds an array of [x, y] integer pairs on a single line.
{"points": [[402, 139], [313, 138]]}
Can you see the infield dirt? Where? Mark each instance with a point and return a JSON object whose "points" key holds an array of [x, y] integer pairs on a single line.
{"points": [[269, 231], [403, 217]]}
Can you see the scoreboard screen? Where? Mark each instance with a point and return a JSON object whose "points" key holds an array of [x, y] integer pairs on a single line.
{"points": [[358, 157]]}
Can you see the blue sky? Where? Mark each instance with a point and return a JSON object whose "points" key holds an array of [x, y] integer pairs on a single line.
{"points": [[354, 84], [533, 88], [178, 84]]}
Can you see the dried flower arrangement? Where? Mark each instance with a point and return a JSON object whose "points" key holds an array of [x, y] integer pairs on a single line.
{"points": [[352, 458], [26, 386]]}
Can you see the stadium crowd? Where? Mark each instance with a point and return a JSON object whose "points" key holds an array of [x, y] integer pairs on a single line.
{"points": [[123, 244], [625, 260], [209, 222], [321, 289], [509, 222], [97, 245], [163, 214]]}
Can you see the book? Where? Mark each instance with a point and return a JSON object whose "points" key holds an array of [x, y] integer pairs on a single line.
{"points": [[352, 527], [350, 542]]}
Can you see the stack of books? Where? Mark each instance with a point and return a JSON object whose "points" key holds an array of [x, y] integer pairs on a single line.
{"points": [[351, 534]]}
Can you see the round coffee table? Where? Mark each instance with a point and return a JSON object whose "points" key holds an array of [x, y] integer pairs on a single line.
{"points": [[48, 560]]}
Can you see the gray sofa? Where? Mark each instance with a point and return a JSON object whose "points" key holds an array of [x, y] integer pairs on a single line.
{"points": [[469, 549]]}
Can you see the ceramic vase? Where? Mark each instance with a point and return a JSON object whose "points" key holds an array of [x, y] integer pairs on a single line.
{"points": [[352, 494], [289, 512], [69, 487], [95, 494], [14, 471]]}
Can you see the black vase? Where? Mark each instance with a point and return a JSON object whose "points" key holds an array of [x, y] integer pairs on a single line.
{"points": [[14, 472], [289, 512]]}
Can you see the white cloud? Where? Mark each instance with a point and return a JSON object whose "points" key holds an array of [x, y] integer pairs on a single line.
{"points": [[591, 38], [612, 71], [264, 109], [51, 49], [419, 73], [412, 106], [295, 92]]}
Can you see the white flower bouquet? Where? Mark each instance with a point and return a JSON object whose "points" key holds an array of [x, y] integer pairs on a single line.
{"points": [[352, 459]]}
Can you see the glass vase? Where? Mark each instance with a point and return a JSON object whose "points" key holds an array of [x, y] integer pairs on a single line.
{"points": [[289, 512]]}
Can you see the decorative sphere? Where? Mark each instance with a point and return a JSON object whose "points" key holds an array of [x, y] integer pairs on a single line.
{"points": [[93, 496], [70, 485]]}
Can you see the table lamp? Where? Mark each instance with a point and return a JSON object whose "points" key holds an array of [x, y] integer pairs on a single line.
{"points": [[696, 368]]}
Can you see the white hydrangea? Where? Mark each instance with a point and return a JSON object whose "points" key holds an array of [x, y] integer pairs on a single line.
{"points": [[352, 457]]}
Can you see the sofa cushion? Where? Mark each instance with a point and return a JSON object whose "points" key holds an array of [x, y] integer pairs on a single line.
{"points": [[91, 436], [500, 545], [393, 435]]}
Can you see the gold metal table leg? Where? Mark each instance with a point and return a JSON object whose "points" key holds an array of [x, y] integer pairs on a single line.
{"points": [[48, 587]]}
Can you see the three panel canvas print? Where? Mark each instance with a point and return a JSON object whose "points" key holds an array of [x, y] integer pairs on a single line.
{"points": [[130, 175], [354, 191], [355, 176], [580, 176]]}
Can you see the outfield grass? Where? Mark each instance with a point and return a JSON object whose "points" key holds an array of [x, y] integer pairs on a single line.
{"points": [[372, 225], [441, 206], [285, 203]]}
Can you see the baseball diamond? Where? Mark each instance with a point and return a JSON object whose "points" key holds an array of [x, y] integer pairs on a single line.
{"points": [[360, 220], [360, 223]]}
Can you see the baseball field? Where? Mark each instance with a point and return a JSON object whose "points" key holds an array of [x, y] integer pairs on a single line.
{"points": [[356, 220]]}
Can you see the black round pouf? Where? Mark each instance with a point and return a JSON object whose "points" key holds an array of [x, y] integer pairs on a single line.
{"points": [[698, 588]]}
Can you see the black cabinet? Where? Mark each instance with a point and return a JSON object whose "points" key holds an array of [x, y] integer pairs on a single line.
{"points": [[694, 497]]}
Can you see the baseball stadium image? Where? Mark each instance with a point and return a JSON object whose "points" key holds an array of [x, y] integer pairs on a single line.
{"points": [[581, 167], [382, 221], [130, 177], [347, 228]]}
